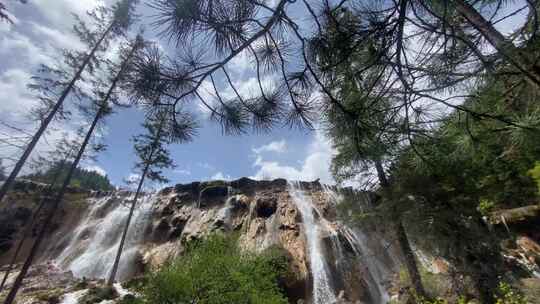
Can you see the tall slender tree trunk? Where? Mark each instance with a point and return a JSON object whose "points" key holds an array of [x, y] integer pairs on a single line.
{"points": [[410, 259], [114, 269], [74, 165], [506, 48], [45, 123], [50, 215], [403, 240], [35, 215]]}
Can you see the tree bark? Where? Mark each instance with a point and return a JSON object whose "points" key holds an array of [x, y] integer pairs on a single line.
{"points": [[50, 215], [114, 269], [35, 215], [505, 47], [410, 260], [18, 166], [403, 240]]}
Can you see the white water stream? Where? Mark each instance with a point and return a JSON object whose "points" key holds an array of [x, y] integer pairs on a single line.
{"points": [[377, 272], [94, 243], [323, 292]]}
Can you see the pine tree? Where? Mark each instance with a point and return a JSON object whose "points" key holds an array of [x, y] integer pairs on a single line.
{"points": [[100, 108], [60, 158], [110, 23], [162, 129], [3, 14]]}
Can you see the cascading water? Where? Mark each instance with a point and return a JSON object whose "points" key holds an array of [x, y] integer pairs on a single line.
{"points": [[377, 271], [93, 245], [323, 292]]}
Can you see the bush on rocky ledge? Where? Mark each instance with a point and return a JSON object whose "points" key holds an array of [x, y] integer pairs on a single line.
{"points": [[217, 271]]}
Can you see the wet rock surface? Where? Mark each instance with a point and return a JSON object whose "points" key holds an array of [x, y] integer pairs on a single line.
{"points": [[263, 214]]}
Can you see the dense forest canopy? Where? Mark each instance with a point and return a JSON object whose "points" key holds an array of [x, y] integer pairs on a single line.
{"points": [[82, 178]]}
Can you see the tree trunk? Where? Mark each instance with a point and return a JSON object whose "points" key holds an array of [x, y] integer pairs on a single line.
{"points": [[114, 270], [410, 260], [505, 47], [50, 215], [35, 215], [403, 240], [45, 123]]}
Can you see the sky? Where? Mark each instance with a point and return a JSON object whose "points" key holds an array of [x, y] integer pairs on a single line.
{"points": [[42, 27]]}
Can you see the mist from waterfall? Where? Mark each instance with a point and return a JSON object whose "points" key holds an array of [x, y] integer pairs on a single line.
{"points": [[94, 243], [323, 293]]}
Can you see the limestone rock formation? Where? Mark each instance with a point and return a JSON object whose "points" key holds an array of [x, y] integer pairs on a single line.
{"points": [[350, 265]]}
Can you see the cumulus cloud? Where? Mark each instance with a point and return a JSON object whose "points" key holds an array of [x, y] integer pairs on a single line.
{"points": [[220, 176], [97, 169], [275, 146], [58, 12], [14, 96], [315, 165], [132, 178], [42, 28]]}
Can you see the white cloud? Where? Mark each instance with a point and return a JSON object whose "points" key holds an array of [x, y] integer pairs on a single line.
{"points": [[182, 171], [220, 176], [315, 165], [24, 48], [58, 12], [275, 146], [97, 169], [60, 39], [14, 96], [132, 178]]}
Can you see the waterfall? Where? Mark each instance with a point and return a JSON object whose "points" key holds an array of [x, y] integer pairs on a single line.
{"points": [[94, 243], [377, 271], [323, 292]]}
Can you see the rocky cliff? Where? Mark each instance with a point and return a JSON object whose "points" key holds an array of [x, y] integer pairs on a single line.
{"points": [[328, 259]]}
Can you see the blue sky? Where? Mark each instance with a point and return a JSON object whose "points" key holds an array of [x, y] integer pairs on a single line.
{"points": [[43, 26]]}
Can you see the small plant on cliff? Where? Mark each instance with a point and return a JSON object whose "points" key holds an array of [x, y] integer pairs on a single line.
{"points": [[535, 174], [507, 295], [216, 271]]}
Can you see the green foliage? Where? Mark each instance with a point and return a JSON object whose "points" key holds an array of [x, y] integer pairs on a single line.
{"points": [[82, 178], [535, 174], [130, 299], [436, 285], [99, 294], [507, 295], [485, 206], [216, 271], [50, 296], [162, 129]]}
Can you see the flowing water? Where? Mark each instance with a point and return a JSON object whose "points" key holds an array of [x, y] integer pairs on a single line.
{"points": [[94, 244], [377, 272], [323, 293]]}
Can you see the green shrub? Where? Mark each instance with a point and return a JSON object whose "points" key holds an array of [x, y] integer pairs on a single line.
{"points": [[130, 299], [216, 271], [485, 206], [99, 294], [507, 295], [535, 174]]}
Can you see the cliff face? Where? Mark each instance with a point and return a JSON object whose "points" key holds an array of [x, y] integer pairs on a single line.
{"points": [[327, 258], [329, 261]]}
